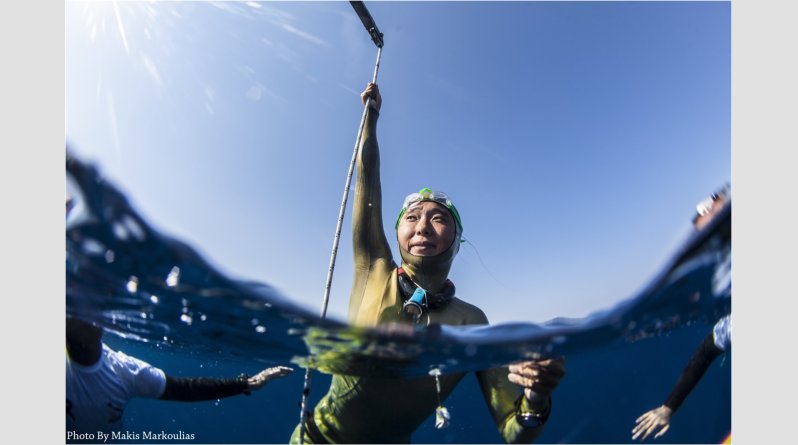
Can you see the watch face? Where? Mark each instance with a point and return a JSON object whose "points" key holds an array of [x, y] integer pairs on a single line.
{"points": [[529, 420]]}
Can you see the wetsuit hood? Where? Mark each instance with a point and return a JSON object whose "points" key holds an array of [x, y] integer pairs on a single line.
{"points": [[430, 272]]}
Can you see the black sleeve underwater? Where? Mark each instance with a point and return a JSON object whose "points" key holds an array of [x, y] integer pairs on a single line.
{"points": [[197, 389], [695, 369]]}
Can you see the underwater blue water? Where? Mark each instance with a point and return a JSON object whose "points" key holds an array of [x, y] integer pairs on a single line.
{"points": [[605, 390], [160, 301]]}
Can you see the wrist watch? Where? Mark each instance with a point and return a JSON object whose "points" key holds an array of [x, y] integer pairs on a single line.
{"points": [[532, 419]]}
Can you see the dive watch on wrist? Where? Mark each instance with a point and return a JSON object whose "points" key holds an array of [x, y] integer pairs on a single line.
{"points": [[532, 419]]}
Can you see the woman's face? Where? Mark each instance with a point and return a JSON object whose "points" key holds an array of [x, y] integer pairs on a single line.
{"points": [[426, 229]]}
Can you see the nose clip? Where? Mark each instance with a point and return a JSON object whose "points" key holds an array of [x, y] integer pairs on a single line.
{"points": [[414, 306]]}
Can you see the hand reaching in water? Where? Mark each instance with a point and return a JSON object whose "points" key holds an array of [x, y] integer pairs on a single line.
{"points": [[656, 419], [260, 379]]}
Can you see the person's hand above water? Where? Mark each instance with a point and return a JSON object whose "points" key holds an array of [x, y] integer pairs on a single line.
{"points": [[373, 92], [260, 379], [657, 418], [539, 378]]}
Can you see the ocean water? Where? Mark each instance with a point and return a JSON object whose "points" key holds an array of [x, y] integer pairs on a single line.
{"points": [[162, 302]]}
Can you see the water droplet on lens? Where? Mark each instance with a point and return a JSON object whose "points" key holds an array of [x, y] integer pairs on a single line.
{"points": [[174, 277], [92, 246], [120, 232], [133, 228], [559, 339]]}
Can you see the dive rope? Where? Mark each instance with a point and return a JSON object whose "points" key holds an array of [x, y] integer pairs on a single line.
{"points": [[376, 37]]}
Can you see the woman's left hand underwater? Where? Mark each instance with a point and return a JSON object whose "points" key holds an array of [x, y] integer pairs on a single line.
{"points": [[260, 379], [538, 377]]}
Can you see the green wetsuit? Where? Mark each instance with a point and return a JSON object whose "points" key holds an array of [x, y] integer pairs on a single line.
{"points": [[388, 410]]}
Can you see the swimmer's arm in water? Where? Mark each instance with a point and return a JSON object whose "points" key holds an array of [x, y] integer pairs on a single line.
{"points": [[502, 398], [537, 379], [197, 389], [702, 357], [505, 394], [658, 419]]}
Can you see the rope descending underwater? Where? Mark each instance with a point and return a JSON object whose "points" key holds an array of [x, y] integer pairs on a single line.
{"points": [[376, 36]]}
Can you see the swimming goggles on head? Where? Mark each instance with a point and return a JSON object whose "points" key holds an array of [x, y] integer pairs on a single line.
{"points": [[705, 206], [426, 194]]}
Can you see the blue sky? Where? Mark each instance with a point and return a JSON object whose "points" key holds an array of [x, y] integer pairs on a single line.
{"points": [[574, 138]]}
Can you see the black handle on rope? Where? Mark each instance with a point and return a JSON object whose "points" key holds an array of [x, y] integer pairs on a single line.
{"points": [[368, 22]]}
